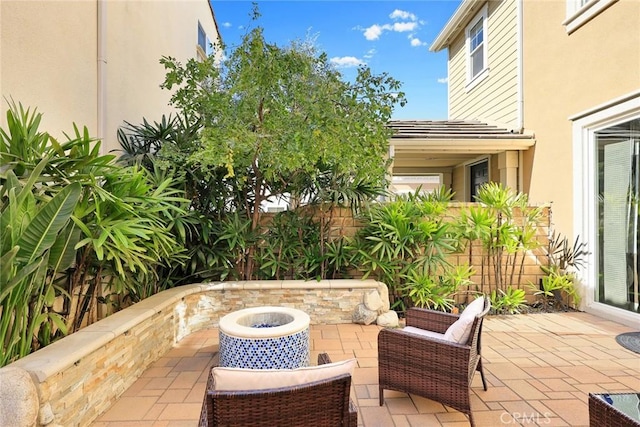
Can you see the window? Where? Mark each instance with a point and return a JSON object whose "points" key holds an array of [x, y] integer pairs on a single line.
{"points": [[477, 47], [202, 42], [581, 11], [409, 184], [606, 205], [476, 34]]}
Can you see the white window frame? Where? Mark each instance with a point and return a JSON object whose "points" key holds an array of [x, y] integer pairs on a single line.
{"points": [[585, 126], [201, 50], [415, 179], [473, 80], [579, 12]]}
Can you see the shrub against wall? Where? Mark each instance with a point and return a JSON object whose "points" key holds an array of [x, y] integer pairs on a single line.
{"points": [[74, 226]]}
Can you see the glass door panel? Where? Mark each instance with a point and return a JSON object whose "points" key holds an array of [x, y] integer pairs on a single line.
{"points": [[618, 186]]}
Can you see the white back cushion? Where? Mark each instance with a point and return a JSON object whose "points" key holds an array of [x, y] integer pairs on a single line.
{"points": [[460, 330], [233, 379]]}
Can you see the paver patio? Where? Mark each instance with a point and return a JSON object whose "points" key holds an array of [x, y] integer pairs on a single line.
{"points": [[539, 367]]}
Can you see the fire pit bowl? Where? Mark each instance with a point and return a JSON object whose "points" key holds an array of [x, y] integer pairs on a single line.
{"points": [[265, 338]]}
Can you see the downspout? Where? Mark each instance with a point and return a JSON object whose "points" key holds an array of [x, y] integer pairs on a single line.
{"points": [[520, 83], [520, 47], [101, 98]]}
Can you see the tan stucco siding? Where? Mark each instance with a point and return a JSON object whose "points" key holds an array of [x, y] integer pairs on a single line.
{"points": [[565, 75], [50, 59], [48, 62], [458, 177], [136, 42], [495, 98]]}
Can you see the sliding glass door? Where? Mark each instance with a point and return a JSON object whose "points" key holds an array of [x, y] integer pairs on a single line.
{"points": [[618, 186]]}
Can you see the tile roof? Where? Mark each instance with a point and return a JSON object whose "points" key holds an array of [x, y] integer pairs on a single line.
{"points": [[451, 129]]}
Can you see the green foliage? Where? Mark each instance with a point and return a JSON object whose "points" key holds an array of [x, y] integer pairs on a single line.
{"points": [[31, 240], [405, 244], [65, 205], [564, 255], [263, 123], [511, 301], [505, 228], [555, 285], [436, 291]]}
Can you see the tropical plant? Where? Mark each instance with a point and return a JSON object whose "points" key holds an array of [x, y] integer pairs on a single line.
{"points": [[511, 301], [564, 255], [554, 286], [119, 230], [36, 246], [506, 227], [437, 290], [405, 243]]}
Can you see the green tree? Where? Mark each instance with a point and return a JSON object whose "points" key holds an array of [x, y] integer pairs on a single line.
{"points": [[280, 121]]}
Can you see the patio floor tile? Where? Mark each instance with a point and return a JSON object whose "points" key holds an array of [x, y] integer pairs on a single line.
{"points": [[539, 368]]}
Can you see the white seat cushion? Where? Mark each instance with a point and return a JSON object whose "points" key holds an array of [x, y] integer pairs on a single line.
{"points": [[460, 330], [234, 379], [423, 332]]}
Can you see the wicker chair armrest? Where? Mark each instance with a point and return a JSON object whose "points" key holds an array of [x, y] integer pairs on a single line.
{"points": [[424, 353], [431, 320], [323, 358]]}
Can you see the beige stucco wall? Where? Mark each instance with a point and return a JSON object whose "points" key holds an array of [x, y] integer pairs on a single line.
{"points": [[49, 59], [134, 72], [494, 99], [565, 75]]}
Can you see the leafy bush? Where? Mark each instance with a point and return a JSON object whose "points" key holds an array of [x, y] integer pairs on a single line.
{"points": [[76, 230], [405, 243], [511, 301]]}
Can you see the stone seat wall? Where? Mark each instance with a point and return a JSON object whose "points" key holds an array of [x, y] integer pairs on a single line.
{"points": [[75, 379]]}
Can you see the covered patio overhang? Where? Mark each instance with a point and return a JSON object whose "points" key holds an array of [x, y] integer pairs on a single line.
{"points": [[424, 147]]}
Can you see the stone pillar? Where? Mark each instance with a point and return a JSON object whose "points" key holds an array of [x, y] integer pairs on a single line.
{"points": [[508, 167]]}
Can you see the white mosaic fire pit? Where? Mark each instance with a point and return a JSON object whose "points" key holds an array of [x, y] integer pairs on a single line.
{"points": [[265, 338]]}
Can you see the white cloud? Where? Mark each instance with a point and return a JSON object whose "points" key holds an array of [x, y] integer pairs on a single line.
{"points": [[226, 24], [402, 27], [443, 80], [401, 14], [373, 32], [415, 42], [346, 61], [370, 53], [409, 23]]}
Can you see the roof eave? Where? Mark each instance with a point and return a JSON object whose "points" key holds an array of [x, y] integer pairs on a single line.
{"points": [[453, 25], [465, 144]]}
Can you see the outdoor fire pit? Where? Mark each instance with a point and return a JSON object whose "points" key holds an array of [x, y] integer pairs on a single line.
{"points": [[265, 338]]}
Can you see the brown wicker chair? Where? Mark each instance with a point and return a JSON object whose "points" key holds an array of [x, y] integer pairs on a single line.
{"points": [[436, 369], [319, 403]]}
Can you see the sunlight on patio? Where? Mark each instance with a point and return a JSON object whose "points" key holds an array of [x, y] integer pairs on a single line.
{"points": [[540, 369]]}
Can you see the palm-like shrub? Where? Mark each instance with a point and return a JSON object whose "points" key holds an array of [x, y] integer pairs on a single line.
{"points": [[405, 243], [75, 227]]}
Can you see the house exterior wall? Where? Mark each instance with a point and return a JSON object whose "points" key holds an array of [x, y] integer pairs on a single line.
{"points": [[48, 61], [565, 74], [51, 56], [136, 42], [494, 99]]}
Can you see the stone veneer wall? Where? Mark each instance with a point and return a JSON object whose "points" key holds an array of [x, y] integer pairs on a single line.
{"points": [[80, 376]]}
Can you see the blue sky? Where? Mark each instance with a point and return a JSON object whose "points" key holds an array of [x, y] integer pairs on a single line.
{"points": [[389, 36]]}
